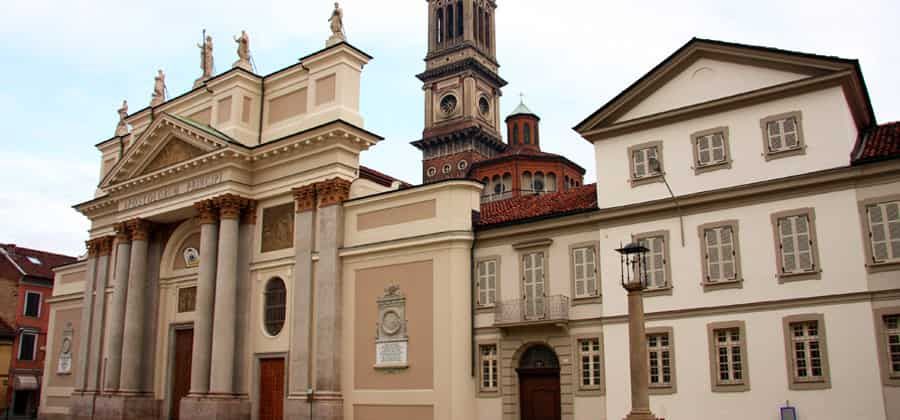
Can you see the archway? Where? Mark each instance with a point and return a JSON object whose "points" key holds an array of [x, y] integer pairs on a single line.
{"points": [[539, 391]]}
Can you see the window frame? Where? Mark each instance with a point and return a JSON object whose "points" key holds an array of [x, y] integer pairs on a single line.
{"points": [[871, 265], [34, 348], [39, 304], [715, 384], [667, 256], [888, 378], [816, 273], [672, 387], [266, 308], [801, 142], [725, 164], [648, 179], [597, 296], [523, 249], [475, 301], [738, 281], [588, 390], [482, 392], [795, 383]]}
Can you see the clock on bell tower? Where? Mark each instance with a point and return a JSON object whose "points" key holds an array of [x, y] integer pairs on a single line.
{"points": [[462, 89]]}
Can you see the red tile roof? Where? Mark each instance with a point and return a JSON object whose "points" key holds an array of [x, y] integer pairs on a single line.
{"points": [[6, 331], [528, 207], [33, 262], [524, 153], [379, 177], [879, 143]]}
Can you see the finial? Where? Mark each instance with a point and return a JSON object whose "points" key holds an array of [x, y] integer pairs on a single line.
{"points": [[521, 97]]}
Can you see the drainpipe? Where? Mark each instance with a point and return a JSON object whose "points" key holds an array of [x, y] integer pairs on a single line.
{"points": [[472, 292], [262, 107]]}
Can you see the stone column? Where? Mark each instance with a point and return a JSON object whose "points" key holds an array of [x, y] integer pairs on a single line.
{"points": [[104, 246], [206, 289], [328, 302], [223, 341], [301, 306], [117, 309], [637, 342], [241, 345], [84, 341], [133, 350]]}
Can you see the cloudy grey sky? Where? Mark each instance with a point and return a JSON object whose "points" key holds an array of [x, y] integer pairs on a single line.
{"points": [[67, 65]]}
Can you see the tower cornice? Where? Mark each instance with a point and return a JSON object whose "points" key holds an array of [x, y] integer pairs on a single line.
{"points": [[460, 66]]}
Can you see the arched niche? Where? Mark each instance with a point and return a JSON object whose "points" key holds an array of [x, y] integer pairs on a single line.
{"points": [[173, 262]]}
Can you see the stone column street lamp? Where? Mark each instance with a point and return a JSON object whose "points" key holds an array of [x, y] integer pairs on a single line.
{"points": [[634, 280]]}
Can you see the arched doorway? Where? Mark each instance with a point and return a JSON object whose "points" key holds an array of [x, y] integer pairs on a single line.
{"points": [[539, 397]]}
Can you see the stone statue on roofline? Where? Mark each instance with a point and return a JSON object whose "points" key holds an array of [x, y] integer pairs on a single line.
{"points": [[337, 26], [243, 52], [159, 89], [122, 128], [206, 60]]}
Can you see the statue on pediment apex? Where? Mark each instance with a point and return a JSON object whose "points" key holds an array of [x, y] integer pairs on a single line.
{"points": [[206, 60], [337, 26], [243, 51], [122, 128], [159, 89]]}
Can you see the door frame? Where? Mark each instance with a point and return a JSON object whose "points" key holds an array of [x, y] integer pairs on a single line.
{"points": [[536, 372], [170, 365], [254, 387]]}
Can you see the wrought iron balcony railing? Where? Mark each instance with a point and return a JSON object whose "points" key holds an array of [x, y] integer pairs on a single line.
{"points": [[540, 310]]}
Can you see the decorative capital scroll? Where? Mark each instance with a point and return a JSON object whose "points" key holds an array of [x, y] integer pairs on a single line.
{"points": [[230, 205], [207, 211], [248, 217], [333, 191], [305, 198], [122, 233], [140, 229], [93, 247], [104, 245]]}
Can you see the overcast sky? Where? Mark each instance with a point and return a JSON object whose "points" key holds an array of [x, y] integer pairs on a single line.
{"points": [[67, 65]]}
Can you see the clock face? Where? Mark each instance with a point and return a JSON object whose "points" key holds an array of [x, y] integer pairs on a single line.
{"points": [[448, 104], [484, 106], [191, 257], [391, 323]]}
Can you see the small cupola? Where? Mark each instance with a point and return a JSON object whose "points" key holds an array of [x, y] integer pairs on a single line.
{"points": [[522, 128]]}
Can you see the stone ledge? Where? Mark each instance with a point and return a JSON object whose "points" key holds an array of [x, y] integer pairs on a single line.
{"points": [[215, 408], [123, 407]]}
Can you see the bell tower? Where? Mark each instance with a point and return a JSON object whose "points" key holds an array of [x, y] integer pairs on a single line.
{"points": [[462, 89]]}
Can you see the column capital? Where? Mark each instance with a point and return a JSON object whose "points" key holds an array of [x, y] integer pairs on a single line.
{"points": [[304, 198], [122, 232], [207, 211], [140, 229], [230, 205], [105, 245], [93, 247], [333, 191], [248, 216]]}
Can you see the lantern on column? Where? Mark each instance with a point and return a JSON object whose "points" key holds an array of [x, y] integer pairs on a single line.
{"points": [[634, 266]]}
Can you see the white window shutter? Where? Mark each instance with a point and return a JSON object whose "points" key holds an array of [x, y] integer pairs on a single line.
{"points": [[788, 255]]}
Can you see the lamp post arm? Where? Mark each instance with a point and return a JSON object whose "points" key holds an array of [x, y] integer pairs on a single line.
{"points": [[678, 208]]}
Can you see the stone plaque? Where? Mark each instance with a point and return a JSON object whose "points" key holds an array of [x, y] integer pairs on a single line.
{"points": [[391, 340], [187, 299], [64, 363], [278, 228]]}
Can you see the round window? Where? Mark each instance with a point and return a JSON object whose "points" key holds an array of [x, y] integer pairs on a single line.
{"points": [[484, 106], [447, 168], [275, 305], [448, 104], [432, 171], [462, 165]]}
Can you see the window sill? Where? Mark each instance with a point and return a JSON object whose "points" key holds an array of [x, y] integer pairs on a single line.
{"points": [[651, 179], [731, 388], [769, 155], [588, 300], [702, 169], [661, 291], [589, 392], [803, 276], [484, 309], [489, 393], [661, 390], [809, 386], [719, 285], [882, 267]]}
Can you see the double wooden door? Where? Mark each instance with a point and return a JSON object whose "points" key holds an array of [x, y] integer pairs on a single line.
{"points": [[271, 389], [539, 397], [181, 377]]}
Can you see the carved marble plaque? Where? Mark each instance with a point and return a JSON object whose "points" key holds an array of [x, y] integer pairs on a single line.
{"points": [[64, 363], [391, 340], [278, 228], [187, 299]]}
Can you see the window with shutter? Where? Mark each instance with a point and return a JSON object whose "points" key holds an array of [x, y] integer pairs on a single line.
{"points": [[796, 243], [720, 251], [656, 261], [783, 135], [584, 269], [884, 231], [486, 278], [533, 284], [711, 149], [641, 157]]}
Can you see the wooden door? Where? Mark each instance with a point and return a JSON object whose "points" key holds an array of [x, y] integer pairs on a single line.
{"points": [[539, 394], [181, 375], [533, 285], [271, 389]]}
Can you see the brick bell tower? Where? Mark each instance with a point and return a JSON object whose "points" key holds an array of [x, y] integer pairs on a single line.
{"points": [[462, 89]]}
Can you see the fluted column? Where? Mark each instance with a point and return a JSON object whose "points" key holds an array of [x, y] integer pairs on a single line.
{"points": [[301, 312], [104, 249], [206, 289], [84, 340], [133, 351], [117, 308], [221, 380]]}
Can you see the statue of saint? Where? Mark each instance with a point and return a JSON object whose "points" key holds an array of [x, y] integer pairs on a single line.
{"points": [[243, 51], [206, 57], [337, 26], [122, 128], [159, 89]]}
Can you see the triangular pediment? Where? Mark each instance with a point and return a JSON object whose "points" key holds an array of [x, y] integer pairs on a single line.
{"points": [[704, 72], [170, 140]]}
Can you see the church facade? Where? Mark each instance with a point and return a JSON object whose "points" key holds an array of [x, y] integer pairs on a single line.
{"points": [[243, 264]]}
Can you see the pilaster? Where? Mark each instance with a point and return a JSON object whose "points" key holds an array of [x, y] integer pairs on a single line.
{"points": [[301, 322]]}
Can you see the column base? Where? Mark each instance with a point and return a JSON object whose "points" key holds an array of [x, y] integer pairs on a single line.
{"points": [[215, 408], [82, 406], [640, 415], [328, 408], [130, 407]]}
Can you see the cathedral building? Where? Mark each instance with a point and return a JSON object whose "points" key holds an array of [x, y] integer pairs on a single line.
{"points": [[244, 265]]}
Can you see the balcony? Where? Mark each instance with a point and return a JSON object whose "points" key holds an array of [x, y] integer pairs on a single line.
{"points": [[553, 310]]}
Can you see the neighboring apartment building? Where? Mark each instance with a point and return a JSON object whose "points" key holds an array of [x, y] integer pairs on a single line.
{"points": [[32, 275], [7, 336], [242, 264]]}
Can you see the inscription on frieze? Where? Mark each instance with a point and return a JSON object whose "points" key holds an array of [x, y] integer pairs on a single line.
{"points": [[170, 191]]}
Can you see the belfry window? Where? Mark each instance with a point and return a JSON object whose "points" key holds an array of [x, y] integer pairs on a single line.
{"points": [[275, 305], [527, 133], [459, 19], [439, 26], [515, 133], [450, 25]]}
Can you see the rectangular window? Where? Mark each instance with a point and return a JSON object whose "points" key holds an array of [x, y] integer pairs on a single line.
{"points": [[795, 238], [489, 370], [486, 278], [661, 359], [892, 342], [728, 356], [711, 150], [646, 162], [585, 272], [27, 346], [783, 135], [589, 351], [657, 260], [884, 231], [719, 247], [32, 304], [806, 347], [533, 284]]}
